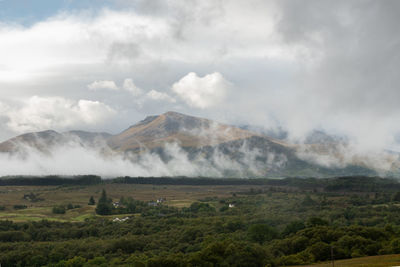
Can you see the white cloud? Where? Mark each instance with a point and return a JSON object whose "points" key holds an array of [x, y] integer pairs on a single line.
{"points": [[106, 85], [202, 92], [160, 96], [131, 87], [285, 59], [42, 113]]}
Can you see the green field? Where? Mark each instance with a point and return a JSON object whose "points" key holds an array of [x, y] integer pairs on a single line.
{"points": [[175, 195], [267, 223], [372, 261]]}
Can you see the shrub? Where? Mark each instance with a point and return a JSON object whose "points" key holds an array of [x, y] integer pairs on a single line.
{"points": [[91, 201], [261, 233], [59, 210], [20, 207]]}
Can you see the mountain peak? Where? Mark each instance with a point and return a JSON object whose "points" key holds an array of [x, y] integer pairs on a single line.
{"points": [[173, 113], [171, 126]]}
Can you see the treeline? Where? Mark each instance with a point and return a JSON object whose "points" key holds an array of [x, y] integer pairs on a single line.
{"points": [[190, 181], [335, 184], [50, 180]]}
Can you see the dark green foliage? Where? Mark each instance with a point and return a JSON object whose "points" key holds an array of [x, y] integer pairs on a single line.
{"points": [[201, 207], [293, 227], [261, 233], [2, 208], [315, 221], [274, 226], [320, 251], [231, 253], [50, 180], [91, 201], [19, 207], [58, 209], [104, 205], [308, 201], [396, 197]]}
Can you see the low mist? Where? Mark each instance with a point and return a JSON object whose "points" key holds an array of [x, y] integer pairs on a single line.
{"points": [[76, 159]]}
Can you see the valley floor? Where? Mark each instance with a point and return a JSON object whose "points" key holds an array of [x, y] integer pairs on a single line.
{"points": [[372, 261], [272, 223]]}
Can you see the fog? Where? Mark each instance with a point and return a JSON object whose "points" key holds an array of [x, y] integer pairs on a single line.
{"points": [[74, 158], [276, 65]]}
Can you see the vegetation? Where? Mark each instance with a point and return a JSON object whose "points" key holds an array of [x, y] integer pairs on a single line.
{"points": [[104, 206], [59, 210], [269, 224], [91, 201], [20, 207]]}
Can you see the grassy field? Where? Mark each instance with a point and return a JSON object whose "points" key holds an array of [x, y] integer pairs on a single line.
{"points": [[175, 195], [253, 204], [373, 261]]}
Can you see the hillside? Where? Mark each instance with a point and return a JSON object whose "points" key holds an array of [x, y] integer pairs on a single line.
{"points": [[188, 131], [45, 141], [195, 146]]}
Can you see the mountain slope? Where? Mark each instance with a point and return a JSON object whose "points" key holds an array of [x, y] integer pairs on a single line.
{"points": [[44, 141], [188, 131], [198, 143]]}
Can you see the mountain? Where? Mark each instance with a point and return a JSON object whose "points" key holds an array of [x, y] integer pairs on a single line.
{"points": [[188, 131], [209, 147], [44, 141]]}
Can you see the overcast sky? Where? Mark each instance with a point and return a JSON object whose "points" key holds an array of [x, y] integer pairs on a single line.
{"points": [[299, 65]]}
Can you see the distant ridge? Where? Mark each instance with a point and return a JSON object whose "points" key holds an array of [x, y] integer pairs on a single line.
{"points": [[201, 140], [189, 131]]}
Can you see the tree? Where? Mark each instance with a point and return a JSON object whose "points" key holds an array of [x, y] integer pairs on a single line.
{"points": [[396, 197], [91, 201], [59, 209], [308, 201], [315, 221], [293, 227], [104, 205], [261, 233]]}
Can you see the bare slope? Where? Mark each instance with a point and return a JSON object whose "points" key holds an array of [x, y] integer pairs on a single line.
{"points": [[188, 131]]}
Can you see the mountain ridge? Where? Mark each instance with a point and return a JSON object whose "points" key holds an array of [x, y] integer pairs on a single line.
{"points": [[198, 140]]}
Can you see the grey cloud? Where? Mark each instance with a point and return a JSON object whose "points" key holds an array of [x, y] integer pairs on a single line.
{"points": [[123, 51], [298, 65]]}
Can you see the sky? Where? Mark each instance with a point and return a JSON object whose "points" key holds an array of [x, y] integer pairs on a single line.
{"points": [[288, 64]]}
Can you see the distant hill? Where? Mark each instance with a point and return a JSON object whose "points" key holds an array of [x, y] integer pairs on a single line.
{"points": [[189, 131], [44, 141], [232, 150]]}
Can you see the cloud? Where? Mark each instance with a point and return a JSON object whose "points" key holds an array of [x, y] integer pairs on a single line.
{"points": [[202, 92], [132, 88], [160, 96], [43, 113], [328, 65], [76, 158], [127, 85], [99, 85]]}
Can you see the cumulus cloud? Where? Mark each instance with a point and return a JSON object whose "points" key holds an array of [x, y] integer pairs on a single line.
{"points": [[100, 85], [202, 92], [329, 65], [127, 85], [42, 113], [160, 96], [132, 88]]}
